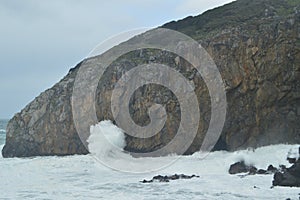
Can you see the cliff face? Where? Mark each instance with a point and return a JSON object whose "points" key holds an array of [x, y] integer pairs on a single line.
{"points": [[44, 127], [255, 45]]}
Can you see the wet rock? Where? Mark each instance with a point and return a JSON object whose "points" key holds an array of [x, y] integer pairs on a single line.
{"points": [[239, 167], [272, 169], [145, 181], [292, 160], [262, 171], [160, 178], [253, 170], [290, 177]]}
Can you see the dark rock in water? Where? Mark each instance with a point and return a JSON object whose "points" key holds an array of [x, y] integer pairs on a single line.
{"points": [[256, 52], [290, 177], [239, 167], [262, 171], [292, 160], [285, 179], [252, 170], [160, 178], [145, 181], [295, 170], [272, 169]]}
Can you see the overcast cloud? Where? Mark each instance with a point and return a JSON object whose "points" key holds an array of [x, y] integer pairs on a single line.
{"points": [[41, 40]]}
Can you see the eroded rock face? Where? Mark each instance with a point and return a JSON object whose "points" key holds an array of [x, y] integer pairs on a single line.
{"points": [[258, 56], [45, 126]]}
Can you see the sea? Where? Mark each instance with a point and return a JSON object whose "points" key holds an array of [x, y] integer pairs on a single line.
{"points": [[3, 123], [91, 177]]}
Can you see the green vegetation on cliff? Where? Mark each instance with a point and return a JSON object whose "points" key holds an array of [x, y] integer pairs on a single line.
{"points": [[235, 14]]}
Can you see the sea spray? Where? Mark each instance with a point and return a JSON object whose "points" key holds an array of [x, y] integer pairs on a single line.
{"points": [[106, 139], [106, 143]]}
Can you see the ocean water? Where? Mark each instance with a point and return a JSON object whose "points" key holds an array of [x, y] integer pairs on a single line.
{"points": [[3, 123], [85, 177]]}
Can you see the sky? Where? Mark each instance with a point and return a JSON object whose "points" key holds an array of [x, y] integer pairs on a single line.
{"points": [[41, 40]]}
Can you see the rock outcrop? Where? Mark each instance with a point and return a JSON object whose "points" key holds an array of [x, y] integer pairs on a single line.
{"points": [[160, 178], [256, 46], [289, 178], [242, 167]]}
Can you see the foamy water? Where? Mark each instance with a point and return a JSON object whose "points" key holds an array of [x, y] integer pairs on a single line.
{"points": [[84, 177]]}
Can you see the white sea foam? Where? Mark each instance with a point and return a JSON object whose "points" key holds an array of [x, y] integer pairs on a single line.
{"points": [[293, 153], [106, 139], [83, 177], [106, 143], [2, 131]]}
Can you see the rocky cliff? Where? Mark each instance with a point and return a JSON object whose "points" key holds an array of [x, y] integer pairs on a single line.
{"points": [[256, 47]]}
